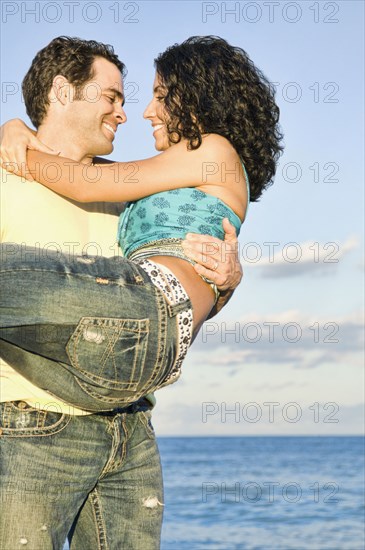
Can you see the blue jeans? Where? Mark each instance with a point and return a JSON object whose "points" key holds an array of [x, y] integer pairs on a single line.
{"points": [[96, 479], [97, 333]]}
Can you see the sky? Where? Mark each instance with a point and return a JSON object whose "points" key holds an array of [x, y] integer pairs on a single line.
{"points": [[285, 356]]}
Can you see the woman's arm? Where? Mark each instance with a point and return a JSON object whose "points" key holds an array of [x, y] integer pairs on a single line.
{"points": [[127, 181], [15, 138], [213, 164]]}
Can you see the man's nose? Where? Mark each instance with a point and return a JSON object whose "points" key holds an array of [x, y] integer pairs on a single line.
{"points": [[120, 114]]}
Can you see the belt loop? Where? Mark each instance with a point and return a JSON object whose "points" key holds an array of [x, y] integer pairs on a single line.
{"points": [[174, 309]]}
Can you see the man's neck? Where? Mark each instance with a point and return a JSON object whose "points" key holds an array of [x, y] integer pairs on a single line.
{"points": [[58, 141]]}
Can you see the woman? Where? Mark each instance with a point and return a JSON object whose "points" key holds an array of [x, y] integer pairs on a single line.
{"points": [[125, 324]]}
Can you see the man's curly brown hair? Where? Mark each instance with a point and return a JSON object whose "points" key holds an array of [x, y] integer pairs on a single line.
{"points": [[213, 87], [71, 57]]}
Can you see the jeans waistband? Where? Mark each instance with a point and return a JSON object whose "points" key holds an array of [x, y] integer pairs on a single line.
{"points": [[175, 293], [141, 405]]}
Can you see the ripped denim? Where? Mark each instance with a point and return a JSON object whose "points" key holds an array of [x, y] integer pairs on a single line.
{"points": [[92, 331], [94, 479]]}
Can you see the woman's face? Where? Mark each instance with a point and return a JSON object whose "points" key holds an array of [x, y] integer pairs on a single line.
{"points": [[156, 113]]}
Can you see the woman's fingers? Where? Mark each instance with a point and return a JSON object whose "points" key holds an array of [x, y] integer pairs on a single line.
{"points": [[14, 146], [37, 145], [14, 160], [16, 138]]}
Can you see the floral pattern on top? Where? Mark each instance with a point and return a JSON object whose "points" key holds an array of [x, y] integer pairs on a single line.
{"points": [[172, 214]]}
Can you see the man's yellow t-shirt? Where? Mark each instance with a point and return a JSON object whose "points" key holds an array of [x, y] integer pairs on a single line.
{"points": [[32, 215]]}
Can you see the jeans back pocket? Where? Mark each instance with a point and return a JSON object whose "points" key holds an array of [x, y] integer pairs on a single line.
{"points": [[109, 352]]}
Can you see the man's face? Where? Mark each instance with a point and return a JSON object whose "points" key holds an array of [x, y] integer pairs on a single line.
{"points": [[94, 119]]}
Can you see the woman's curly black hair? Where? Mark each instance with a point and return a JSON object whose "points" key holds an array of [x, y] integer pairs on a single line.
{"points": [[213, 87]]}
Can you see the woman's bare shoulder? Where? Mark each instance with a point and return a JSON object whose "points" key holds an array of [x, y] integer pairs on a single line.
{"points": [[219, 148]]}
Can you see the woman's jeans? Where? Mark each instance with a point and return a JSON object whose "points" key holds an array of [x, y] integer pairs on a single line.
{"points": [[101, 335]]}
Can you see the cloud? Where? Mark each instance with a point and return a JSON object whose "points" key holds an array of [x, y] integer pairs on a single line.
{"points": [[278, 260], [286, 338], [211, 418], [282, 386]]}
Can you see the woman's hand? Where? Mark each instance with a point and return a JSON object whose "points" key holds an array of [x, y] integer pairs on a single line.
{"points": [[15, 139]]}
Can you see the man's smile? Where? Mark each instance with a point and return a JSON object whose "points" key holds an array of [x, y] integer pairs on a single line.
{"points": [[110, 128]]}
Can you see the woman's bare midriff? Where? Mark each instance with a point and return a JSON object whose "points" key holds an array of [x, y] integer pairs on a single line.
{"points": [[200, 293]]}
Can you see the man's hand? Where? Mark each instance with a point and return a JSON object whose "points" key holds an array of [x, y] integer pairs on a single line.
{"points": [[217, 260], [15, 139]]}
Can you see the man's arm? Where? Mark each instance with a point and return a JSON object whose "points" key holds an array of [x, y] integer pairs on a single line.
{"points": [[217, 260]]}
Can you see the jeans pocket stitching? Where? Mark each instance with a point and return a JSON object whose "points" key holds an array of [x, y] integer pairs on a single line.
{"points": [[112, 340], [145, 417], [40, 430], [139, 327], [106, 399]]}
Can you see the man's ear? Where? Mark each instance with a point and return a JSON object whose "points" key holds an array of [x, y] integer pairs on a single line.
{"points": [[62, 90]]}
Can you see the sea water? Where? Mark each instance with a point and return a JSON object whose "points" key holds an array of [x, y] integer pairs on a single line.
{"points": [[263, 493]]}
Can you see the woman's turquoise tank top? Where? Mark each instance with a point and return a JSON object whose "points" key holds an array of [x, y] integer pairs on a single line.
{"points": [[169, 215]]}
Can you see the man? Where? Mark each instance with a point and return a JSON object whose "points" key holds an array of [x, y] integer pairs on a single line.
{"points": [[95, 478]]}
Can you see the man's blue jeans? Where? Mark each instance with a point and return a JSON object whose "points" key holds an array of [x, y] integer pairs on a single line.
{"points": [[99, 334], [96, 477]]}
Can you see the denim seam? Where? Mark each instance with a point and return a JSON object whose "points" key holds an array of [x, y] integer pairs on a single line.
{"points": [[42, 417], [147, 426], [5, 414], [111, 280], [154, 381], [131, 386], [38, 431], [112, 340], [125, 439], [165, 319], [13, 405], [162, 336], [109, 463], [114, 431], [99, 520], [135, 366], [110, 400], [139, 353]]}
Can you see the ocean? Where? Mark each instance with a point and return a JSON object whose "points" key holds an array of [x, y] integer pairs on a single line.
{"points": [[263, 493]]}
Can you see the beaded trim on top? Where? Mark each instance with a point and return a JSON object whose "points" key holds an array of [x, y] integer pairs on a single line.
{"points": [[167, 247], [160, 247]]}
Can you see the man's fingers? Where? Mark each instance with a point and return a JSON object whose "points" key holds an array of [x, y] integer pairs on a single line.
{"points": [[202, 239], [202, 257], [224, 252], [214, 276], [217, 260], [229, 230], [225, 274], [210, 244]]}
